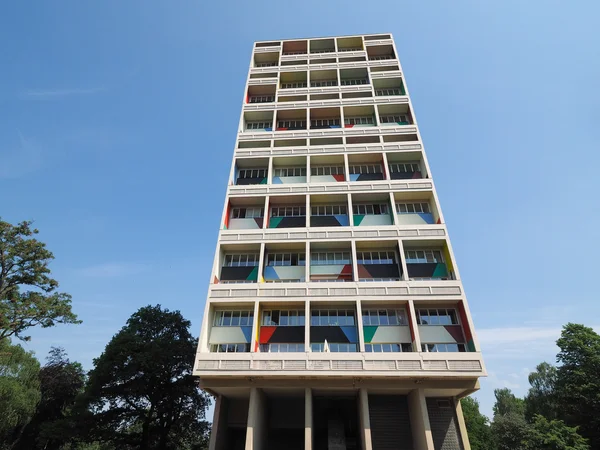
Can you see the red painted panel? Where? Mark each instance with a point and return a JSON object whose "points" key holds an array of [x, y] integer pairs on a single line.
{"points": [[265, 334], [339, 177], [227, 215], [464, 322], [412, 331]]}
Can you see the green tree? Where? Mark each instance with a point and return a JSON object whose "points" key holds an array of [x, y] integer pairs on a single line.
{"points": [[541, 398], [578, 380], [507, 403], [511, 432], [478, 425], [141, 392], [61, 381], [27, 292], [554, 435], [19, 389]]}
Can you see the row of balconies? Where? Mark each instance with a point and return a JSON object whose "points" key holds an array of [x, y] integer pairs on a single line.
{"points": [[343, 327], [298, 82], [354, 168], [270, 54], [342, 261], [319, 118], [331, 210]]}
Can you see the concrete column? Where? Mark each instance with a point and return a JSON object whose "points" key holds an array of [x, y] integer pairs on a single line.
{"points": [[307, 205], [354, 261], [307, 326], [359, 324], [308, 419], [402, 257], [393, 206], [256, 432], [462, 427], [255, 329], [419, 421], [365, 421], [412, 318], [350, 211], [219, 425], [260, 278]]}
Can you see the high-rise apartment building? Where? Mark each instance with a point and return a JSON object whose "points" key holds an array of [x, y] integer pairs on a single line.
{"points": [[336, 318]]}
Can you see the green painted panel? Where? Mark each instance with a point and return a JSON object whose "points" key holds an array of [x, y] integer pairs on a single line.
{"points": [[471, 346], [440, 271], [275, 221], [369, 332], [253, 276], [358, 218], [263, 181]]}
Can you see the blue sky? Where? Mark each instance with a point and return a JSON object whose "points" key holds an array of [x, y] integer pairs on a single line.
{"points": [[118, 119]]}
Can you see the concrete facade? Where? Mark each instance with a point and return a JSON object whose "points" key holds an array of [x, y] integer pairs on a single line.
{"points": [[336, 316]]}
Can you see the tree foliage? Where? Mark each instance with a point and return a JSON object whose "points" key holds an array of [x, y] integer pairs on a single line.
{"points": [[28, 294], [478, 426], [578, 380], [541, 398], [19, 389], [51, 427], [141, 392], [507, 403], [547, 434]]}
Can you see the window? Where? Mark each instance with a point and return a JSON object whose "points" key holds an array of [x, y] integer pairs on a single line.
{"points": [[329, 258], [252, 173], [409, 167], [257, 125], [300, 52], [291, 124], [241, 260], [325, 122], [328, 210], [354, 81], [384, 317], [359, 120], [290, 172], [288, 211], [247, 213], [323, 83], [388, 91], [325, 50], [423, 256], [394, 119], [365, 169], [294, 85], [332, 317], [437, 317], [443, 348], [327, 170], [380, 57], [388, 348], [333, 347], [265, 64], [262, 98], [350, 49], [377, 257], [371, 210], [282, 348], [412, 208], [283, 318], [286, 259], [230, 348], [233, 318]]}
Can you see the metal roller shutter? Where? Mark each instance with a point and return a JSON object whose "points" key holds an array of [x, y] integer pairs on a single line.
{"points": [[390, 422]]}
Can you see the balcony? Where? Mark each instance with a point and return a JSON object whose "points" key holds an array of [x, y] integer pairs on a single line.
{"points": [[371, 210], [416, 211], [386, 330], [323, 78], [245, 214], [441, 331], [293, 80], [254, 121], [349, 44], [330, 262], [329, 211], [359, 116], [378, 261], [289, 216], [327, 169], [428, 263], [261, 94], [282, 330], [285, 263], [393, 115], [325, 118], [231, 331], [289, 170], [366, 167], [239, 265], [318, 46], [354, 77], [266, 59], [380, 52], [389, 87], [291, 120], [251, 171], [333, 330], [295, 48]]}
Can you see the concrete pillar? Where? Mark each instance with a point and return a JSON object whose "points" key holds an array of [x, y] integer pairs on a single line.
{"points": [[219, 424], [419, 420], [365, 421], [308, 419], [256, 432], [462, 427]]}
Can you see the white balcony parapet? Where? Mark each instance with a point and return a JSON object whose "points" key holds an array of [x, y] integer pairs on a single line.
{"points": [[329, 149], [332, 132]]}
